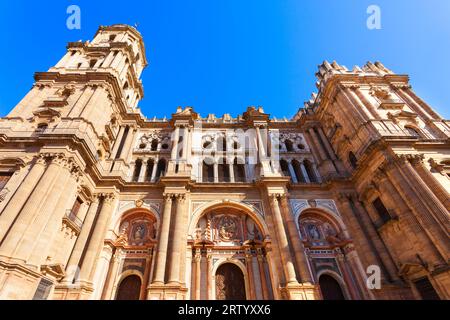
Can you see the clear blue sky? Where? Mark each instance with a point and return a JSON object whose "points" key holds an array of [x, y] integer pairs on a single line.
{"points": [[221, 56]]}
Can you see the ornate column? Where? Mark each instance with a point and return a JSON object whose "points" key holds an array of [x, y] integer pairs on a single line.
{"points": [[161, 255], [432, 186], [197, 274], [128, 145], [299, 250], [420, 211], [288, 265], [20, 196], [174, 154], [96, 242], [251, 277], [155, 167], [13, 245], [304, 172], [262, 274], [185, 142], [292, 172], [357, 230], [77, 251], [261, 147], [216, 172], [111, 278], [322, 155], [143, 170], [179, 226], [209, 275]]}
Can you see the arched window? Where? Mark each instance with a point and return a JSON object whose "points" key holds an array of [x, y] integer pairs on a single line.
{"points": [[208, 170], [161, 169], [330, 288], [239, 170], [154, 145], [137, 170], [222, 144], [129, 288], [289, 145], [352, 160], [285, 168], [412, 131], [298, 171], [150, 165], [310, 171], [224, 170]]}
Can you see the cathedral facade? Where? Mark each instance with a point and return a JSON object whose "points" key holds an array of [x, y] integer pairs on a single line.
{"points": [[349, 199]]}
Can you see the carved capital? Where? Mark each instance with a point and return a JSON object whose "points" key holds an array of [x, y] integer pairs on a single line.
{"points": [[108, 197]]}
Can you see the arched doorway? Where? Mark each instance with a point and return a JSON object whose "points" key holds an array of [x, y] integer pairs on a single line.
{"points": [[230, 283], [129, 288], [330, 288]]}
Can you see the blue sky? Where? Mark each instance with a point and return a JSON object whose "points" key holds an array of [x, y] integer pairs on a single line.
{"points": [[221, 56]]}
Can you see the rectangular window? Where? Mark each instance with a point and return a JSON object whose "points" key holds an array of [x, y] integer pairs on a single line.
{"points": [[75, 209], [383, 213], [4, 178], [43, 290], [426, 289]]}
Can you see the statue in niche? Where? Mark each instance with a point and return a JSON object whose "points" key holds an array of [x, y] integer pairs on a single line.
{"points": [[313, 232], [139, 232]]}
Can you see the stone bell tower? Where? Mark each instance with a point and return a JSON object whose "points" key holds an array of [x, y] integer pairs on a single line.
{"points": [[63, 130], [96, 82]]}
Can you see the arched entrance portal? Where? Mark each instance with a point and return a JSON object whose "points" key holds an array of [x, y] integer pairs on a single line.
{"points": [[330, 288], [130, 288], [230, 283]]}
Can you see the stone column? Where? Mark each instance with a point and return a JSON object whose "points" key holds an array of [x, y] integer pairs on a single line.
{"points": [[251, 278], [174, 154], [356, 229], [434, 213], [304, 172], [261, 147], [179, 226], [288, 264], [197, 274], [262, 274], [77, 251], [146, 281], [299, 250], [117, 142], [128, 145], [45, 240], [20, 196], [185, 142], [111, 278], [418, 208], [155, 167], [216, 172], [432, 187], [326, 143], [96, 242], [161, 255], [383, 256], [292, 172], [209, 275], [322, 155], [143, 170], [19, 242], [231, 169]]}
